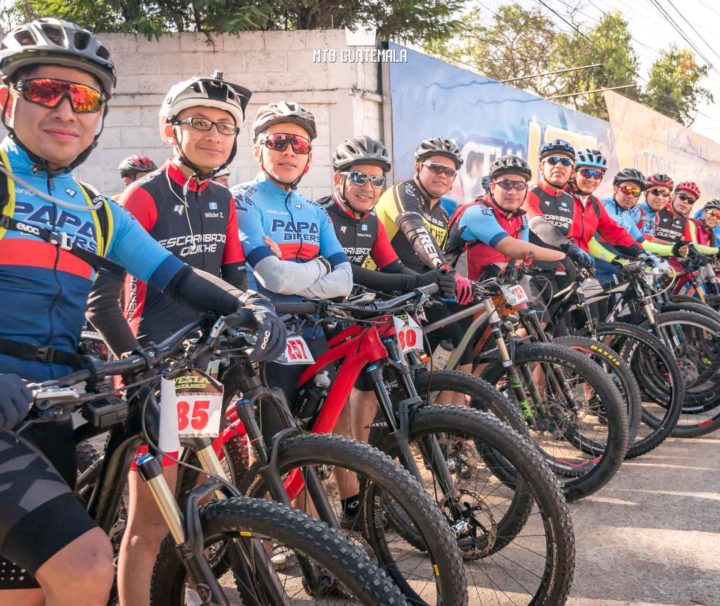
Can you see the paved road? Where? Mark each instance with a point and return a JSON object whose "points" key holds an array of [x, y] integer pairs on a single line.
{"points": [[652, 536]]}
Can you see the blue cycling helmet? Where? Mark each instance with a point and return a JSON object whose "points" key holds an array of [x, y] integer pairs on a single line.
{"points": [[592, 158], [557, 146]]}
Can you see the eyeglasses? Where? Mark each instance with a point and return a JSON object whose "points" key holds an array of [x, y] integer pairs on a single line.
{"points": [[685, 198], [279, 141], [631, 190], [553, 160], [713, 212], [203, 124], [508, 185], [360, 179], [49, 92], [591, 173], [441, 169], [660, 192]]}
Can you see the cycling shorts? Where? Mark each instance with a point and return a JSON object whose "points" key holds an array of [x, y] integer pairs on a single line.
{"points": [[39, 514]]}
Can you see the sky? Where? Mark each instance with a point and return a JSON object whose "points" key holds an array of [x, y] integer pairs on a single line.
{"points": [[651, 33]]}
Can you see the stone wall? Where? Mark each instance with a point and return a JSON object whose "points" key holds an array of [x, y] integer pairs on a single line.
{"points": [[344, 96]]}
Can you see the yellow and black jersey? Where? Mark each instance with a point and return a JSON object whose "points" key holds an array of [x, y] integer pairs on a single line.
{"points": [[417, 232]]}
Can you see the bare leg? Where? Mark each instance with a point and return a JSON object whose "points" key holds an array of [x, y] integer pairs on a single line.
{"points": [[139, 548]]}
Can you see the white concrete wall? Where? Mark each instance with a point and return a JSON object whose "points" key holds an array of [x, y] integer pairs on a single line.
{"points": [[273, 65]]}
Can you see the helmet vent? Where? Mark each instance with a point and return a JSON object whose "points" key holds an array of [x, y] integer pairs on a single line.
{"points": [[102, 52], [82, 39], [55, 34], [25, 38]]}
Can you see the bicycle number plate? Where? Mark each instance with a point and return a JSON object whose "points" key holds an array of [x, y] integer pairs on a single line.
{"points": [[296, 352], [190, 407], [410, 336], [515, 295]]}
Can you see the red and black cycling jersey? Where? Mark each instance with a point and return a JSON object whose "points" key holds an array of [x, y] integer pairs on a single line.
{"points": [[202, 232], [362, 238], [672, 228]]}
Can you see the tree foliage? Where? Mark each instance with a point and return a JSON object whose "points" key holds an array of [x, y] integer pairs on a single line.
{"points": [[402, 20], [516, 42], [674, 87]]}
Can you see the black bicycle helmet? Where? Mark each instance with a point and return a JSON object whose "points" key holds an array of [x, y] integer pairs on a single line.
{"points": [[284, 111], [591, 158], [439, 146], [132, 165], [630, 174], [510, 165], [360, 150], [557, 146], [56, 42], [712, 204]]}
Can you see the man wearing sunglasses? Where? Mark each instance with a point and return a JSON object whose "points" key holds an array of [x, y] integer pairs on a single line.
{"points": [[56, 79], [289, 241], [657, 195], [418, 226], [193, 217], [628, 185], [571, 224], [491, 230]]}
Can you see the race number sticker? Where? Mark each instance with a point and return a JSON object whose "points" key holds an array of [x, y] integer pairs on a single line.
{"points": [[296, 352], [190, 407], [410, 335], [515, 295]]}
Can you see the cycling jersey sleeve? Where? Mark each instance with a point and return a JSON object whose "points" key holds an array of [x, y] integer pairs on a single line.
{"points": [[598, 251], [233, 252], [540, 226], [614, 233], [409, 220], [134, 249], [276, 275], [662, 250], [382, 281], [338, 283], [478, 224], [691, 234], [138, 202], [382, 251]]}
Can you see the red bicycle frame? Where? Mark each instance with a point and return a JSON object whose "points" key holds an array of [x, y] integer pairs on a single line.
{"points": [[355, 347]]}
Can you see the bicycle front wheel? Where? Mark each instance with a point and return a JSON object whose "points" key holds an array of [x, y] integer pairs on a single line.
{"points": [[347, 576]]}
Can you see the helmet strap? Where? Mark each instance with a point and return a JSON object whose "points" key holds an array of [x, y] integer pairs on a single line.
{"points": [[198, 173], [282, 184], [425, 192], [344, 203]]}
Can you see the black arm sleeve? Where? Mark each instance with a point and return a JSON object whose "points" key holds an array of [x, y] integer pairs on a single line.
{"points": [[383, 281], [235, 274], [397, 267], [203, 291], [106, 316]]}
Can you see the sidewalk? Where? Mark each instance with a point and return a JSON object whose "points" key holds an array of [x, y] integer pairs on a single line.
{"points": [[652, 536]]}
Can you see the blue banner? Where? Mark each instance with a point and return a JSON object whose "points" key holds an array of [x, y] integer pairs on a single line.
{"points": [[431, 98]]}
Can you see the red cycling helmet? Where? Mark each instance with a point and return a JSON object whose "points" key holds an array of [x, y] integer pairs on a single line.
{"points": [[660, 180], [136, 164], [690, 187]]}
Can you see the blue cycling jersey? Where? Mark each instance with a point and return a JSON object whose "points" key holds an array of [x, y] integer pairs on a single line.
{"points": [[478, 223], [45, 287], [649, 216], [624, 218], [301, 228]]}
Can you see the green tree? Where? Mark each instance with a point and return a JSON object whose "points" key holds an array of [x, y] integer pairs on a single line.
{"points": [[674, 86], [512, 43], [402, 20], [609, 44]]}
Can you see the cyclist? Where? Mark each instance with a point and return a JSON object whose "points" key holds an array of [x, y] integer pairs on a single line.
{"points": [[194, 218], [359, 166], [628, 185], [658, 192], [491, 230], [55, 232], [289, 241], [417, 226], [566, 221], [135, 167], [673, 222], [708, 223]]}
